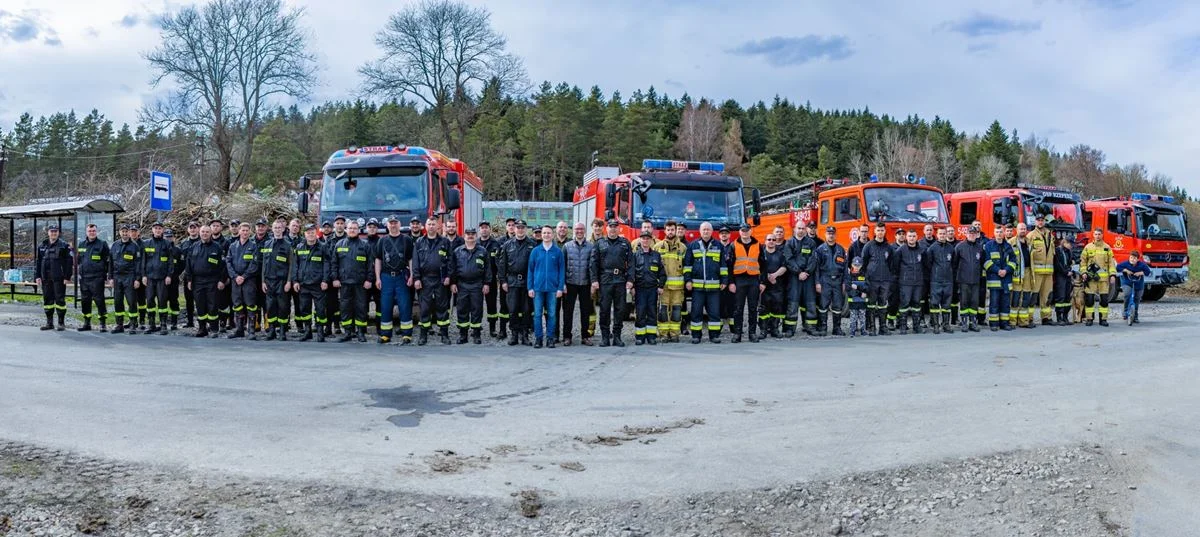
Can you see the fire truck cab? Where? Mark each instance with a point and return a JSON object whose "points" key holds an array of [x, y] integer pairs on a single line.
{"points": [[836, 202], [687, 192], [405, 181], [1149, 223], [1063, 209]]}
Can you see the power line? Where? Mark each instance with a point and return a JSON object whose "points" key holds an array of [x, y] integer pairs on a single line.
{"points": [[37, 156]]}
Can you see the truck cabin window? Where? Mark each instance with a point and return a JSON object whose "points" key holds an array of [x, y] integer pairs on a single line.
{"points": [[376, 189]]}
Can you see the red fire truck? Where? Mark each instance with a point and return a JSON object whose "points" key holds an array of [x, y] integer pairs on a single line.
{"points": [[909, 204], [684, 191], [385, 180], [1149, 223], [1062, 208]]}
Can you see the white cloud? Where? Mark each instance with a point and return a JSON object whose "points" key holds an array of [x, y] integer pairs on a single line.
{"points": [[1109, 73]]}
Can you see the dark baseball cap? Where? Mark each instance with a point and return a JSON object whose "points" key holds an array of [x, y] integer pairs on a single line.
{"points": [[647, 234], [326, 224], [510, 220], [52, 227], [310, 227], [235, 222], [216, 221], [124, 227], [613, 223], [520, 223], [486, 224], [339, 217], [745, 227], [134, 227], [1040, 217], [469, 231], [812, 223], [723, 229], [261, 222], [193, 224], [157, 224], [831, 229], [414, 219], [372, 222], [168, 233]]}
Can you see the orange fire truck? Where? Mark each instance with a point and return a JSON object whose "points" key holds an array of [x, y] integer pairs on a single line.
{"points": [[1149, 223], [406, 181], [845, 206], [687, 192], [1062, 208]]}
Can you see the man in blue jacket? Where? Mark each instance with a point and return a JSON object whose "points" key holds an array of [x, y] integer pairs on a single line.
{"points": [[1133, 282], [547, 279]]}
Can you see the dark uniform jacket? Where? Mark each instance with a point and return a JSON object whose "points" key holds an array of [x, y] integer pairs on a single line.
{"points": [[492, 246], [180, 264], [470, 268], [1062, 262], [351, 261], [614, 261], [158, 258], [648, 270], [968, 261], [799, 255], [431, 258], [830, 263], [126, 260], [205, 262], [879, 263], [54, 261], [276, 259], [768, 263], [242, 259], [912, 264], [311, 264], [94, 259], [513, 262], [939, 262]]}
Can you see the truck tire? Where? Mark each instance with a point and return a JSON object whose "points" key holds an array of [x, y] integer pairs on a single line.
{"points": [[1154, 293]]}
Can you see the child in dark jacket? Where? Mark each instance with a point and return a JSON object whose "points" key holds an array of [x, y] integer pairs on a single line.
{"points": [[856, 294]]}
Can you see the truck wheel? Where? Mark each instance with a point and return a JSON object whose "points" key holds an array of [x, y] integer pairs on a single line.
{"points": [[1154, 292]]}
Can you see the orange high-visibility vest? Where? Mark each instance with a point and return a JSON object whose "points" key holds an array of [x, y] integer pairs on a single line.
{"points": [[746, 259]]}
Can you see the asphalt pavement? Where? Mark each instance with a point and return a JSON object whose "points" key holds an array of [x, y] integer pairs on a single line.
{"points": [[640, 421]]}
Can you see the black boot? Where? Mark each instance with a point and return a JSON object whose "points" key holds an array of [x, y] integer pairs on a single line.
{"points": [[512, 338], [87, 325], [250, 330], [476, 336], [652, 339], [525, 340], [360, 333], [49, 321], [103, 324], [617, 341], [605, 340], [62, 324], [503, 333], [445, 335], [320, 336], [283, 332], [239, 328], [835, 320], [120, 326], [423, 336], [737, 338], [271, 334], [916, 322], [308, 334], [347, 333], [537, 344], [462, 336]]}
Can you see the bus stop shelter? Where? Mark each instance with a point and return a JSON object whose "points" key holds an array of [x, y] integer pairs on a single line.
{"points": [[27, 227]]}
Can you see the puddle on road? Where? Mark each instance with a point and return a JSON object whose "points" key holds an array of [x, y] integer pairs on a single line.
{"points": [[416, 404]]}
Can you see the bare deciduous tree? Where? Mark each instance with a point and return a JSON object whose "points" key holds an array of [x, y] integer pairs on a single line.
{"points": [[949, 171], [699, 134], [228, 59], [858, 166], [994, 170], [442, 53]]}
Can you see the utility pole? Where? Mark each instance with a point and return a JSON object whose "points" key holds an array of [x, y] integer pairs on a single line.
{"points": [[3, 161]]}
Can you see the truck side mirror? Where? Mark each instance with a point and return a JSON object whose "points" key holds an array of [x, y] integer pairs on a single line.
{"points": [[304, 182], [302, 203], [453, 200], [610, 196], [452, 178], [756, 203], [609, 214]]}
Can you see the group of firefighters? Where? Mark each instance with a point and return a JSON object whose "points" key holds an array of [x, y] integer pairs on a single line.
{"points": [[351, 274]]}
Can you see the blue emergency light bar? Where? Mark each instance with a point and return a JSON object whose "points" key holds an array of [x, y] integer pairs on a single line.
{"points": [[660, 164], [1142, 196]]}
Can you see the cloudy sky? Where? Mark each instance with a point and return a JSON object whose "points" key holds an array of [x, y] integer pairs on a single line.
{"points": [[1120, 75]]}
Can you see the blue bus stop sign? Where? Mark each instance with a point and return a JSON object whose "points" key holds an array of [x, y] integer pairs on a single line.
{"points": [[160, 191]]}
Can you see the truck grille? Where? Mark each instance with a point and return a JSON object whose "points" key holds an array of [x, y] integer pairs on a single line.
{"points": [[1166, 258]]}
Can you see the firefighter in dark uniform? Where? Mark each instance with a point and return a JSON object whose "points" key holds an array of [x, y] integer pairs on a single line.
{"points": [[893, 310], [185, 246], [126, 279], [1063, 283], [705, 274], [968, 265], [470, 276], [333, 300], [727, 295], [939, 266], [241, 262], [93, 259], [372, 235], [173, 306], [206, 276], [802, 289], [491, 245], [512, 268], [276, 266], [351, 273], [311, 271], [393, 276], [649, 277], [747, 273], [295, 235], [999, 263], [911, 260], [139, 292], [772, 287], [613, 268], [261, 234], [224, 296], [831, 265], [53, 270], [158, 264], [431, 278], [879, 264]]}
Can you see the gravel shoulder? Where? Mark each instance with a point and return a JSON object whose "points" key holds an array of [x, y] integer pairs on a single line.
{"points": [[1071, 490]]}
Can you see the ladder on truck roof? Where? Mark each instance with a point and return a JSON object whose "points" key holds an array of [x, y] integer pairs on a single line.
{"points": [[802, 192]]}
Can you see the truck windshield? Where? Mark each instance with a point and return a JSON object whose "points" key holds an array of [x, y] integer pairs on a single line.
{"points": [[1160, 224], [901, 204], [368, 190], [1062, 213], [714, 206]]}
